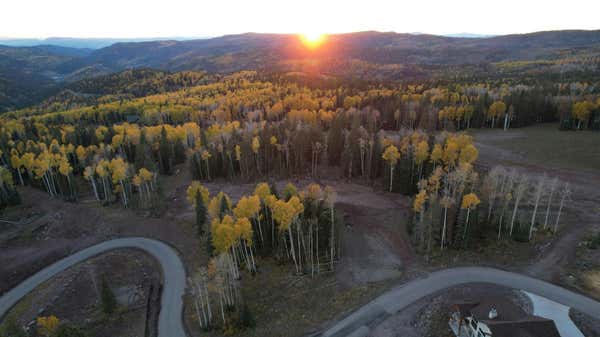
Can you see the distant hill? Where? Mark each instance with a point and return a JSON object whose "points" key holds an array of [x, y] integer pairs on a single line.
{"points": [[376, 55], [29, 73], [89, 43]]}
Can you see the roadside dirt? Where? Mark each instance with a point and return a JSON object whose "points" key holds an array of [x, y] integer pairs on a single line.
{"points": [[74, 295], [582, 211], [375, 246]]}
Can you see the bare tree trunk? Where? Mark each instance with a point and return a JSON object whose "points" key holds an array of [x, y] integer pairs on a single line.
{"points": [[332, 237], [552, 188], [444, 228], [538, 194], [566, 193]]}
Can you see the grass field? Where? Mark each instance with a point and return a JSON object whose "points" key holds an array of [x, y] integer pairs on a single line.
{"points": [[545, 144]]}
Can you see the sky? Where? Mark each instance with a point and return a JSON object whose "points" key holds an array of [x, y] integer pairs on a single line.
{"points": [[202, 18]]}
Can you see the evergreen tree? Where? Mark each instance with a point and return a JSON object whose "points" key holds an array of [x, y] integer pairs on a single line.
{"points": [[108, 300], [200, 214]]}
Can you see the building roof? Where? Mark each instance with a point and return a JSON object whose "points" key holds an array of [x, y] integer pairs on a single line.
{"points": [[512, 321], [531, 326]]}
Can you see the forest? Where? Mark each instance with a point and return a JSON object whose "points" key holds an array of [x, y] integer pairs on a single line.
{"points": [[115, 136]]}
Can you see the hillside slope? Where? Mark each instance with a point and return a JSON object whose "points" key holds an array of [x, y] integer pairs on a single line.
{"points": [[367, 55]]}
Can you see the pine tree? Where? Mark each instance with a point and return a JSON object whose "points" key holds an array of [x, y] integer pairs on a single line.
{"points": [[108, 300]]}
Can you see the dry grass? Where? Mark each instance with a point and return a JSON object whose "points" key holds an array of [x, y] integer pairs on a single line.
{"points": [[545, 145], [591, 281]]}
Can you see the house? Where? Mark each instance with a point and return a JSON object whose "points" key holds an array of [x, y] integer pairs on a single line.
{"points": [[497, 317]]}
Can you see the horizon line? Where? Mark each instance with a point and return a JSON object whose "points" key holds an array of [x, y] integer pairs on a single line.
{"points": [[207, 36]]}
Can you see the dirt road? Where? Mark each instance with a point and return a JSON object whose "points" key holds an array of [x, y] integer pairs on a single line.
{"points": [[361, 321]]}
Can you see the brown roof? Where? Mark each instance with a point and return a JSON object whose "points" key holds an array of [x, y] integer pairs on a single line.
{"points": [[531, 326], [512, 321]]}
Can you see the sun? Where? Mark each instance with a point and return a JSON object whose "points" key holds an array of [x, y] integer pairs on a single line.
{"points": [[312, 39]]}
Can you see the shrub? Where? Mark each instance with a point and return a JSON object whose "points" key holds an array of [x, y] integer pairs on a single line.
{"points": [[109, 302]]}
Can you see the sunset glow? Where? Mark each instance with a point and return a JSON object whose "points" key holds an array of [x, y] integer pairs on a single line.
{"points": [[312, 40]]}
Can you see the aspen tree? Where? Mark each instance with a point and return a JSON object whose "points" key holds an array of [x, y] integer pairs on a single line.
{"points": [[88, 174], [66, 170], [249, 207], [48, 325], [205, 155], [198, 285], [255, 149], [469, 202], [419, 207], [16, 164], [566, 194], [520, 188], [421, 154], [496, 110], [330, 199], [553, 184], [391, 155], [119, 171], [436, 155], [539, 189]]}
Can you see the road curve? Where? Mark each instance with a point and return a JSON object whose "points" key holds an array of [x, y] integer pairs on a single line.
{"points": [[170, 318], [361, 321]]}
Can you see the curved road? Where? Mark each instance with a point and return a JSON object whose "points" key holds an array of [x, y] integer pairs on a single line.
{"points": [[170, 318], [358, 323], [361, 321]]}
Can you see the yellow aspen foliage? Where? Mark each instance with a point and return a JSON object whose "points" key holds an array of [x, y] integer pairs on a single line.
{"points": [[497, 109], [273, 140], [205, 155], [434, 180], [468, 154], [223, 234], [255, 144], [421, 152], [101, 132], [270, 201], [15, 161], [244, 228], [419, 202], [469, 201], [137, 180], [64, 167], [262, 190], [6, 178], [391, 155], [284, 214], [314, 192], [81, 153], [296, 204], [146, 175], [102, 168], [193, 190], [27, 160], [47, 326], [238, 152], [582, 110], [450, 153], [247, 207], [119, 169]]}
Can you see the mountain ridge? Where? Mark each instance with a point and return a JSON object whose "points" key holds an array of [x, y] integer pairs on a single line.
{"points": [[25, 70]]}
